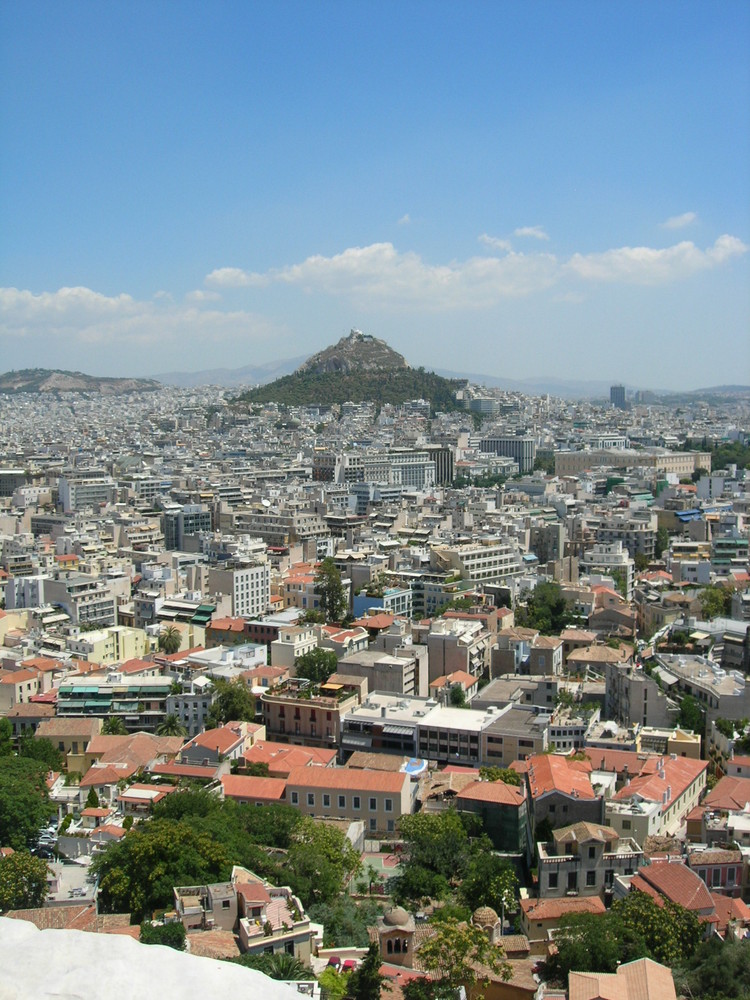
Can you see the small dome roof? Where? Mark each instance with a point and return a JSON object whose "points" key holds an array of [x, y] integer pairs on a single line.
{"points": [[396, 917], [485, 916]]}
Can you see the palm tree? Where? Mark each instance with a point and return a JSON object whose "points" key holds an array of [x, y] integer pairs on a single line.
{"points": [[280, 966], [170, 639], [114, 726], [171, 727]]}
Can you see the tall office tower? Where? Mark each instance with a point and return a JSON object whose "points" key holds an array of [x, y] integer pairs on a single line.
{"points": [[617, 396]]}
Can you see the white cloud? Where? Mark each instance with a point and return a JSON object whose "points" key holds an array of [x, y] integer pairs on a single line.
{"points": [[201, 295], [381, 274], [535, 232], [87, 317], [679, 221], [495, 242], [648, 266], [235, 277], [404, 220]]}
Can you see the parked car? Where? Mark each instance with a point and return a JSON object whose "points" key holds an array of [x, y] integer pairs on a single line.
{"points": [[334, 962]]}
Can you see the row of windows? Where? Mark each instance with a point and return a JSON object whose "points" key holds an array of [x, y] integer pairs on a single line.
{"points": [[356, 801]]}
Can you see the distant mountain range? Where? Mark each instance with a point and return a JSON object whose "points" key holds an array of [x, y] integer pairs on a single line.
{"points": [[45, 380]]}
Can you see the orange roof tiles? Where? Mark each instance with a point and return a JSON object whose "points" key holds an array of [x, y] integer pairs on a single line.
{"points": [[554, 773], [348, 780], [239, 786], [675, 881], [496, 792], [555, 909]]}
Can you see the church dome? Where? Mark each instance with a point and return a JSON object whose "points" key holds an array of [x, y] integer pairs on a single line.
{"points": [[485, 916], [396, 917]]}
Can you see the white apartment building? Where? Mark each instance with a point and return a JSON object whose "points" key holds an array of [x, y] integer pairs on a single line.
{"points": [[610, 559], [486, 560], [249, 588]]}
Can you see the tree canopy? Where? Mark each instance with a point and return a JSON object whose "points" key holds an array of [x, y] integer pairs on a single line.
{"points": [[545, 610], [24, 801], [330, 590], [170, 639], [455, 950], [635, 927], [234, 702], [23, 881], [317, 665]]}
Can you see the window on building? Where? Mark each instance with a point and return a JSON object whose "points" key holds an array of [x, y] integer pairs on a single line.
{"points": [[716, 876], [390, 826], [294, 798], [225, 904], [592, 852], [342, 802], [326, 799], [590, 878], [373, 823], [552, 880], [356, 802], [373, 804], [730, 876], [389, 805], [626, 824]]}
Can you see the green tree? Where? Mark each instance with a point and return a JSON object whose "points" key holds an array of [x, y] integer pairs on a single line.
{"points": [[426, 989], [716, 601], [455, 950], [137, 875], [24, 801], [586, 942], [545, 610], [661, 543], [41, 749], [170, 935], [437, 842], [171, 726], [691, 714], [6, 737], [317, 665], [334, 984], [505, 774], [365, 982], [170, 639], [321, 861], [280, 966], [416, 883], [489, 881], [671, 932], [718, 969], [330, 591], [92, 799], [23, 881], [114, 726], [234, 703], [346, 920], [457, 696]]}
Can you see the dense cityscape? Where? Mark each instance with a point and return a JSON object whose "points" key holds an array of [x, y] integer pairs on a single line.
{"points": [[483, 669]]}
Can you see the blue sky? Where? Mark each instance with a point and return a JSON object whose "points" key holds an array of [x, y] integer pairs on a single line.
{"points": [[522, 189]]}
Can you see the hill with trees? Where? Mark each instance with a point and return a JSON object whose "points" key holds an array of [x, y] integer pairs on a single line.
{"points": [[359, 368]]}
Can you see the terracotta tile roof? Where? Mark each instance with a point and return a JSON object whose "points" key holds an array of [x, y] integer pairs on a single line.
{"points": [[349, 780], [18, 676], [678, 775], [496, 792], [56, 728], [240, 786], [729, 794], [378, 621], [617, 760], [221, 740], [643, 979], [555, 909], [728, 908], [136, 666], [584, 832], [227, 624], [714, 857], [283, 758], [185, 770], [109, 774], [466, 680], [138, 749], [555, 773], [677, 882]]}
